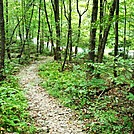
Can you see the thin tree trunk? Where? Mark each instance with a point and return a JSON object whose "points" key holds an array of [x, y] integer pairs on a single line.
{"points": [[28, 26], [7, 32], [101, 27], [38, 33], [61, 18], [42, 36], [106, 32], [93, 31], [69, 34], [2, 40], [79, 24], [55, 6], [23, 24], [125, 27], [116, 38], [20, 35], [66, 51], [70, 30], [50, 30]]}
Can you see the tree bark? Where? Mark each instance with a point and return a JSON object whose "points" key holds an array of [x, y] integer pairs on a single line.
{"points": [[93, 31], [70, 30], [101, 26], [38, 32], [106, 32], [116, 38], [2, 40], [55, 6], [7, 32], [125, 28], [42, 35]]}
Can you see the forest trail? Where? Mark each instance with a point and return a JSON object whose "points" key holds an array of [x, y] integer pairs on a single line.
{"points": [[49, 115]]}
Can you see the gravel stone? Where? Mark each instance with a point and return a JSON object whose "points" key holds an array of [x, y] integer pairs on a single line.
{"points": [[49, 115]]}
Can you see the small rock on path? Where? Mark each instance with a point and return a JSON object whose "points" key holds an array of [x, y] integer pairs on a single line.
{"points": [[49, 115]]}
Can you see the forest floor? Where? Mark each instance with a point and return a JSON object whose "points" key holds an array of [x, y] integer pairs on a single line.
{"points": [[49, 115]]}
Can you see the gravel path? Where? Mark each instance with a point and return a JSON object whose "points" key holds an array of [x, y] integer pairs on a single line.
{"points": [[49, 115]]}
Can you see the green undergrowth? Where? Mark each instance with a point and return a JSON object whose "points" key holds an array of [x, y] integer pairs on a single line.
{"points": [[108, 113], [14, 116]]}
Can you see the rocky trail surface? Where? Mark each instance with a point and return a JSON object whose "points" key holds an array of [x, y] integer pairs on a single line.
{"points": [[49, 115]]}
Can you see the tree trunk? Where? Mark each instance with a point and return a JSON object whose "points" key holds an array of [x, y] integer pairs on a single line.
{"points": [[116, 37], [101, 27], [7, 32], [50, 29], [93, 31], [2, 40], [125, 27], [69, 34], [70, 30], [106, 32], [42, 36], [61, 18], [79, 24], [28, 28], [55, 5], [38, 33], [66, 51]]}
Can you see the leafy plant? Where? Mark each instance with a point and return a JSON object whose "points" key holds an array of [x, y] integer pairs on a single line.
{"points": [[14, 116], [104, 113]]}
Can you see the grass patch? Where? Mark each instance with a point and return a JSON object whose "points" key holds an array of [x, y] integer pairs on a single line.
{"points": [[111, 112]]}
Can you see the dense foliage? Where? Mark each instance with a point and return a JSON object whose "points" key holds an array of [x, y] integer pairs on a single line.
{"points": [[104, 106], [14, 116]]}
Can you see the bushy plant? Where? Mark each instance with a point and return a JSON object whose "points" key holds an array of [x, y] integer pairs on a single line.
{"points": [[14, 116], [13, 108]]}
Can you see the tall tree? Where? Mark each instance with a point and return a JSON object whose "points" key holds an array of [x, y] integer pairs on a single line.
{"points": [[93, 31], [70, 29], [116, 36], [39, 23], [101, 26], [7, 31], [22, 29], [28, 26], [69, 33], [106, 32], [50, 29], [42, 34], [2, 40], [55, 4], [80, 14], [125, 27]]}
